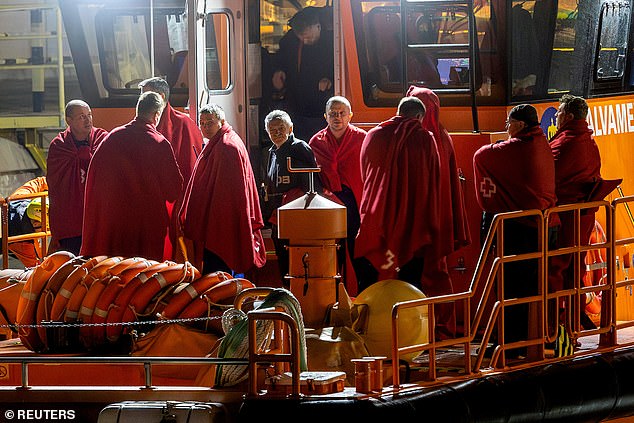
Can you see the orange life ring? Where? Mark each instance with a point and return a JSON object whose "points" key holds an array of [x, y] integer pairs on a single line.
{"points": [[107, 298], [100, 271], [89, 301], [45, 303], [596, 270], [12, 282], [123, 298], [191, 291], [56, 312], [222, 291], [171, 276], [27, 305]]}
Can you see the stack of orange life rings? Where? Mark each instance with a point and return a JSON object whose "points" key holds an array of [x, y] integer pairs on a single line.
{"points": [[109, 294]]}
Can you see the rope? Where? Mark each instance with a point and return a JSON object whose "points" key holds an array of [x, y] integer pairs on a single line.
{"points": [[236, 344]]}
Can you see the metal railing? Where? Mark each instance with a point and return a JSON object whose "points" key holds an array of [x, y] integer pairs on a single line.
{"points": [[488, 276], [40, 237]]}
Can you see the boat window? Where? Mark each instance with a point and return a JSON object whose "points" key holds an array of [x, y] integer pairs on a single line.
{"points": [[437, 43], [124, 45], [217, 51], [614, 23], [543, 35]]}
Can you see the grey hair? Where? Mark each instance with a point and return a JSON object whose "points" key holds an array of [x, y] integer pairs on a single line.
{"points": [[215, 110], [71, 105], [278, 115], [158, 85], [149, 104], [337, 100]]}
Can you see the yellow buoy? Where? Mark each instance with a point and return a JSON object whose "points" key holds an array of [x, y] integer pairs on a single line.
{"points": [[380, 298]]}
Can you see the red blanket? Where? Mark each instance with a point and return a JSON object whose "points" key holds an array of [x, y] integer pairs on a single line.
{"points": [[453, 219], [399, 206], [132, 176], [184, 136], [516, 174], [340, 160], [67, 165], [577, 161], [221, 208]]}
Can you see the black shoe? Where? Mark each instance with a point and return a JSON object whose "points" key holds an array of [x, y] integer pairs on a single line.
{"points": [[586, 322]]}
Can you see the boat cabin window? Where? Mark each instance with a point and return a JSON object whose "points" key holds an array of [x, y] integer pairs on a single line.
{"points": [[614, 28], [435, 48], [217, 48], [124, 42]]}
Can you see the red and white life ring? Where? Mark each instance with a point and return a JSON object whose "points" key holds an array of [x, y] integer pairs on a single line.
{"points": [[27, 305], [596, 271], [123, 298], [45, 303], [107, 298], [190, 292], [171, 276], [222, 291], [100, 271]]}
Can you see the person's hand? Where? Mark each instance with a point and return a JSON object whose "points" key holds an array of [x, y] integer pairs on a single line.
{"points": [[279, 80], [325, 84]]}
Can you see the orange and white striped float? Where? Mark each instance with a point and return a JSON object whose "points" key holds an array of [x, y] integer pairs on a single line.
{"points": [[100, 271], [192, 291], [73, 280], [596, 271], [118, 306], [222, 291], [27, 305], [89, 302], [107, 298], [143, 295], [11, 283], [45, 302]]}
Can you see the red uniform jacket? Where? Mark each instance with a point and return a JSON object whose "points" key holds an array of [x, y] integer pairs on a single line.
{"points": [[516, 174], [453, 216], [399, 206], [184, 136], [221, 208], [67, 166], [577, 161], [132, 175], [340, 160]]}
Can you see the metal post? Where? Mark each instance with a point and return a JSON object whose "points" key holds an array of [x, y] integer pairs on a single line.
{"points": [[152, 36], [60, 68], [37, 58]]}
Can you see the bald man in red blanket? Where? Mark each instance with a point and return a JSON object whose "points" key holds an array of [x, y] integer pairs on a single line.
{"points": [[221, 209], [337, 150], [132, 178], [399, 206], [67, 164], [517, 174], [453, 217]]}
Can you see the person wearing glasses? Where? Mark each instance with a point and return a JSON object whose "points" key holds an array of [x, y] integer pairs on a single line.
{"points": [[221, 208], [282, 185], [337, 150], [517, 174], [399, 210]]}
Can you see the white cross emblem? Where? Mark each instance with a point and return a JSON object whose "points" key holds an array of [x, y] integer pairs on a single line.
{"points": [[487, 187]]}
